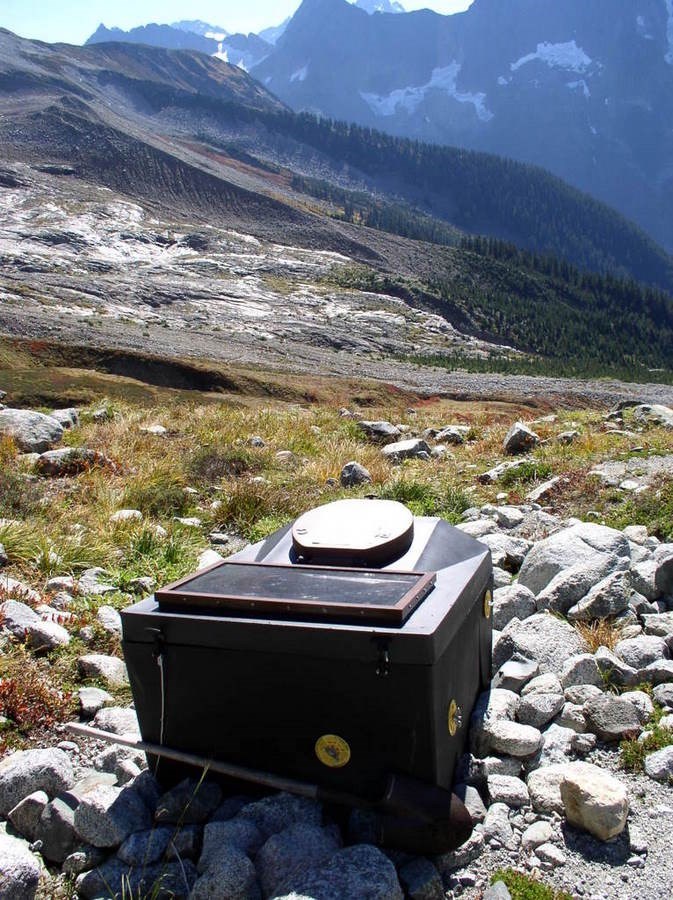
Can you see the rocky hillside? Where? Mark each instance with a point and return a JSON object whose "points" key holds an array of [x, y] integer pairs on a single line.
{"points": [[570, 756]]}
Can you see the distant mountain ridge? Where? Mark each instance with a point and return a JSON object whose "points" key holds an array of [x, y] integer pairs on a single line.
{"points": [[583, 88]]}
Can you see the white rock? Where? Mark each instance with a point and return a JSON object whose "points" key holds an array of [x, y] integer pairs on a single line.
{"points": [[514, 601], [510, 791], [209, 558], [642, 703], [32, 432], [110, 619], [543, 638], [548, 683], [117, 720], [639, 652], [539, 709], [20, 870], [110, 668], [47, 636], [520, 439], [536, 834], [126, 515], [107, 815], [550, 856], [581, 669], [569, 586], [595, 801], [512, 738], [577, 544], [409, 449], [26, 771]]}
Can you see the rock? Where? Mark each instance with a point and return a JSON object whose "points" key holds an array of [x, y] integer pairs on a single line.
{"points": [[571, 585], [542, 638], [20, 870], [143, 848], [477, 528], [659, 765], [280, 811], [421, 880], [642, 704], [543, 491], [145, 584], [242, 834], [107, 815], [509, 516], [123, 516], [156, 430], [115, 878], [26, 814], [501, 578], [659, 672], [520, 439], [507, 552], [655, 414], [92, 699], [18, 618], [580, 543], [491, 706], [659, 624], [409, 449], [231, 875], [496, 473], [578, 694], [663, 695], [359, 871], [497, 891], [117, 720], [110, 669], [615, 670], [572, 716], [67, 418], [380, 431], [550, 856], [510, 791], [557, 745], [544, 787], [639, 652], [32, 432], [287, 856], [56, 831], [607, 598], [209, 558], [581, 669], [354, 474], [27, 771], [512, 602], [69, 461], [512, 738], [543, 684], [496, 828], [110, 619], [611, 718], [535, 835], [567, 437], [190, 802], [594, 801], [515, 674], [539, 709], [91, 583], [663, 576], [472, 800], [47, 636], [463, 856]]}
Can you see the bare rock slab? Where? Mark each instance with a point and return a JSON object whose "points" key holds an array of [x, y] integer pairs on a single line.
{"points": [[594, 801]]}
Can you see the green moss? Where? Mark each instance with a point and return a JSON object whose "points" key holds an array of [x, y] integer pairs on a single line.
{"points": [[524, 887], [653, 509], [633, 752]]}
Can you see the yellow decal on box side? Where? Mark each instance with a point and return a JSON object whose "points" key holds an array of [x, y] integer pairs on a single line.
{"points": [[332, 751]]}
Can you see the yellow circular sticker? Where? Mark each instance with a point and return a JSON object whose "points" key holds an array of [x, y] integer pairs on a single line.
{"points": [[453, 719], [332, 751], [488, 604]]}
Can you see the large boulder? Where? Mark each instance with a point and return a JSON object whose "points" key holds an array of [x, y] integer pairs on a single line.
{"points": [[20, 869], [107, 815], [359, 871], [286, 856], [542, 638], [580, 543], [639, 652], [569, 586], [611, 718], [26, 771], [594, 801], [607, 598], [32, 432], [380, 431], [412, 448], [354, 474], [655, 414]]}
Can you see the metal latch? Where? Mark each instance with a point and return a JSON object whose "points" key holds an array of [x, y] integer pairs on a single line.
{"points": [[383, 661]]}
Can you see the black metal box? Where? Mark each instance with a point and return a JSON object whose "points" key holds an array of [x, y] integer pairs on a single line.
{"points": [[335, 694]]}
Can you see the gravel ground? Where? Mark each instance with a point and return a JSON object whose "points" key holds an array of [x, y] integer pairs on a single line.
{"points": [[304, 358]]}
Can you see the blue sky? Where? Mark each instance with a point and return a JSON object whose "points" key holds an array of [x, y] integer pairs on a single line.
{"points": [[74, 20]]}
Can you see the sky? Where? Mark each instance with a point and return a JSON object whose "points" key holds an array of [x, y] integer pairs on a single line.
{"points": [[73, 21]]}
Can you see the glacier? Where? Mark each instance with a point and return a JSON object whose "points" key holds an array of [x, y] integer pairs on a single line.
{"points": [[559, 56], [410, 98]]}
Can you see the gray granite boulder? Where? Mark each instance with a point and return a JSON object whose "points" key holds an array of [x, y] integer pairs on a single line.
{"points": [[242, 834], [611, 718], [25, 816], [358, 871], [107, 815], [513, 601], [26, 771], [640, 651], [280, 811], [580, 543], [659, 765], [607, 598], [542, 638], [32, 432], [190, 802], [383, 432], [354, 474], [285, 858], [20, 869], [569, 586], [520, 439]]}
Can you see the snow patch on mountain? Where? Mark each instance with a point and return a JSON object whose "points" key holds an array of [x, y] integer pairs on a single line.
{"points": [[410, 98], [300, 74], [379, 6], [559, 56], [642, 29], [669, 31], [579, 86]]}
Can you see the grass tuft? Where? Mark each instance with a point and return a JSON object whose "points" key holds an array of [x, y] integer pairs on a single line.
{"points": [[525, 887], [633, 752], [600, 633]]}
